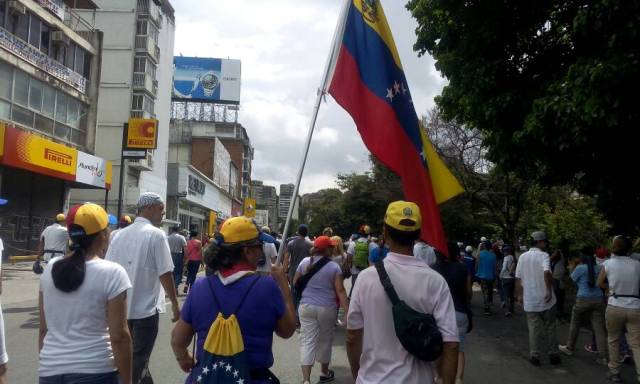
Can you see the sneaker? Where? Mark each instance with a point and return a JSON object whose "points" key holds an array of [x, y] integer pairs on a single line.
{"points": [[329, 377], [554, 360], [564, 349], [625, 357], [590, 348], [534, 361], [614, 378], [602, 361]]}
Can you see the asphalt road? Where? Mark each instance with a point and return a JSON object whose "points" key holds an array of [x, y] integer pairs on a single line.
{"points": [[496, 349]]}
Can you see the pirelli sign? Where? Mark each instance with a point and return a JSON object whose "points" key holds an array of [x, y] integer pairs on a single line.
{"points": [[142, 134]]}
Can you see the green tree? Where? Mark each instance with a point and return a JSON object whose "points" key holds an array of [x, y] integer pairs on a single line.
{"points": [[548, 84]]}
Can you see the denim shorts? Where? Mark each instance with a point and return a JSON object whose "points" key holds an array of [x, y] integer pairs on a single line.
{"points": [[463, 323], [81, 378]]}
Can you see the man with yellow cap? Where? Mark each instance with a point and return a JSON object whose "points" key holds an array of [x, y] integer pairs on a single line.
{"points": [[375, 353], [54, 240]]}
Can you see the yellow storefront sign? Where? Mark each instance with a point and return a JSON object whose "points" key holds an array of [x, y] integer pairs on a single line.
{"points": [[2, 126], [250, 207], [142, 133], [213, 216]]}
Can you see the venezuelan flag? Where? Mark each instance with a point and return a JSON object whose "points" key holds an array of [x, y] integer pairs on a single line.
{"points": [[366, 78]]}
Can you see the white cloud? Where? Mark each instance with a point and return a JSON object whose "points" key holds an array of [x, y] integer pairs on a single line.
{"points": [[283, 45]]}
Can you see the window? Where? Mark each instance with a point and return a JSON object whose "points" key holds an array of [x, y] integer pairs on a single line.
{"points": [[69, 58], [136, 103], [34, 31], [62, 131], [61, 108], [3, 6], [87, 66], [73, 110], [19, 25], [141, 27], [5, 110], [6, 80], [139, 64], [22, 116], [45, 38], [59, 51], [35, 95], [43, 124], [48, 101], [79, 62], [21, 88], [78, 137]]}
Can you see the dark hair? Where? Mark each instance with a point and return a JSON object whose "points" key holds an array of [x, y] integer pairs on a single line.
{"points": [[223, 256], [193, 234], [303, 230], [68, 273], [402, 237], [626, 247], [587, 257], [453, 250], [175, 229]]}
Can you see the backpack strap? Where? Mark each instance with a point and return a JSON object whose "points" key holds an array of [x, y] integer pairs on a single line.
{"points": [[215, 298], [386, 283]]}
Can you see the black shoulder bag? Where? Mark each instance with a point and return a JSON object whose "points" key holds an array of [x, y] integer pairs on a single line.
{"points": [[418, 332], [302, 282]]}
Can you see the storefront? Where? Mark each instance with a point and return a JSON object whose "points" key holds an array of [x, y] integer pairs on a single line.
{"points": [[36, 175], [193, 199]]}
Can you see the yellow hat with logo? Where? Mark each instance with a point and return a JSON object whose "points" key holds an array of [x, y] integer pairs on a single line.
{"points": [[86, 219], [242, 229], [404, 216], [60, 217]]}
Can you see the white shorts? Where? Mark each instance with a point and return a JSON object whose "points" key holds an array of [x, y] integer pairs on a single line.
{"points": [[4, 358]]}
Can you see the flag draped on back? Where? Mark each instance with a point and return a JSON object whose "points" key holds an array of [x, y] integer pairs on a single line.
{"points": [[366, 78]]}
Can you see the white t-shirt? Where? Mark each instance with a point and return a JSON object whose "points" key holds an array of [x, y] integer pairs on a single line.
{"points": [[530, 270], [77, 339], [56, 238], [425, 252], [507, 264], [351, 250], [270, 254], [623, 274], [143, 251], [383, 359]]}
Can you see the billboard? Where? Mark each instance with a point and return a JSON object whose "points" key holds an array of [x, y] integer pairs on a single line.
{"points": [[142, 133], [206, 79]]}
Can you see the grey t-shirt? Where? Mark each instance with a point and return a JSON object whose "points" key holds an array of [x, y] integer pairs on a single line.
{"points": [[176, 242], [298, 248], [320, 290]]}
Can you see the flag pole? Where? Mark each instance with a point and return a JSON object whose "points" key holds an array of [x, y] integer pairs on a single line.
{"points": [[322, 90]]}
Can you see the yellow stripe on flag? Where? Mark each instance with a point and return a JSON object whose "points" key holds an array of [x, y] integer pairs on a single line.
{"points": [[445, 185], [375, 18]]}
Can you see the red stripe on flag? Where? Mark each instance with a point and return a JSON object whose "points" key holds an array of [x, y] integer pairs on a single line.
{"points": [[384, 136]]}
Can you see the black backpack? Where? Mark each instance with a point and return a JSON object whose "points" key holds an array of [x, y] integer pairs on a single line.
{"points": [[418, 332]]}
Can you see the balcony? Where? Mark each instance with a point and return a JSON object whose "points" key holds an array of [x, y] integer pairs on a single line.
{"points": [[144, 82], [138, 114], [145, 44], [148, 8]]}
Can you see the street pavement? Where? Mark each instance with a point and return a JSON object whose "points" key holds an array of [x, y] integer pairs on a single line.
{"points": [[496, 350]]}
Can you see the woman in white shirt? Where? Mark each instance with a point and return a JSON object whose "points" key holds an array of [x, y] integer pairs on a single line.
{"points": [[84, 335]]}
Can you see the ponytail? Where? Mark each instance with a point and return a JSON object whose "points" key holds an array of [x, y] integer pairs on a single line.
{"points": [[68, 273]]}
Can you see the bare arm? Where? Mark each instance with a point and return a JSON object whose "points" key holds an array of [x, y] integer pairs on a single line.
{"points": [[168, 284], [548, 282], [43, 322], [181, 337], [296, 277], [518, 290], [354, 350], [286, 325], [41, 247], [120, 336], [449, 362], [341, 292], [602, 279]]}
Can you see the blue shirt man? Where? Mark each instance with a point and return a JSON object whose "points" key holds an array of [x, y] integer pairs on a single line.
{"points": [[486, 265]]}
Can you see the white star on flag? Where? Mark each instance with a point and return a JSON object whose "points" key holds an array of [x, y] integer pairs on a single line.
{"points": [[240, 381], [423, 155], [215, 366], [228, 367], [390, 94], [205, 371], [396, 87], [404, 90], [199, 379], [235, 373]]}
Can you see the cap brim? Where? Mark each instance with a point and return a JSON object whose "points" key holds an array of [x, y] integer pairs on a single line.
{"points": [[266, 238], [113, 220]]}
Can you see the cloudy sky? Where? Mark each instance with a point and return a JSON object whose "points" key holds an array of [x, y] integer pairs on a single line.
{"points": [[283, 45]]}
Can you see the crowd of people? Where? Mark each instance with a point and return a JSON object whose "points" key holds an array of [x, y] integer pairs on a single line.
{"points": [[102, 293]]}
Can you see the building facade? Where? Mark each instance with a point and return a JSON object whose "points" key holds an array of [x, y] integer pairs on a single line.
{"points": [[284, 200], [267, 199], [136, 82], [50, 62]]}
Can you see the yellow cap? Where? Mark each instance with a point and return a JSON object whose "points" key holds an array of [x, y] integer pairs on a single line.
{"points": [[60, 217], [87, 219], [242, 229], [404, 216]]}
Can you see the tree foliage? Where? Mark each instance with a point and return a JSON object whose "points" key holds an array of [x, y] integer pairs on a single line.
{"points": [[548, 84]]}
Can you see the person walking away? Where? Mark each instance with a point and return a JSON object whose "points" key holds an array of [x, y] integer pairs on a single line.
{"points": [[84, 337], [507, 276], [620, 274], [558, 270], [534, 289], [124, 222], [270, 254], [323, 282], [459, 282], [358, 253], [297, 249], [486, 273], [425, 252], [374, 351], [339, 256], [142, 249], [496, 248], [194, 259], [178, 248], [4, 357], [470, 261], [54, 240], [589, 306], [262, 305]]}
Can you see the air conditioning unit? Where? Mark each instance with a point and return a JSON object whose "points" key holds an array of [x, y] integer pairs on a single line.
{"points": [[145, 164], [17, 6], [59, 37]]}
